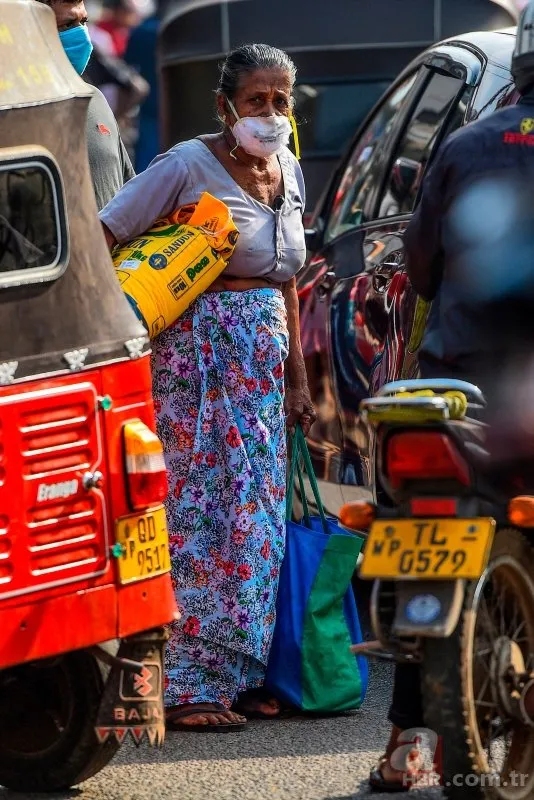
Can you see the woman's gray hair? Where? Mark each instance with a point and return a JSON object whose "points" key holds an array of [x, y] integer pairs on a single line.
{"points": [[248, 58]]}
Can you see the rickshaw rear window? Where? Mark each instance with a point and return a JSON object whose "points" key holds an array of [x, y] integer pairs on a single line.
{"points": [[32, 240]]}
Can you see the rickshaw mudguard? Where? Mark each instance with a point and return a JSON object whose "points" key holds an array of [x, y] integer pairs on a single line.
{"points": [[132, 702]]}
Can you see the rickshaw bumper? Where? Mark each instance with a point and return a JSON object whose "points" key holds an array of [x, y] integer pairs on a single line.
{"points": [[34, 630]]}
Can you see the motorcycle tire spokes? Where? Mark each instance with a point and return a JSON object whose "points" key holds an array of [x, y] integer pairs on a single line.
{"points": [[478, 693]]}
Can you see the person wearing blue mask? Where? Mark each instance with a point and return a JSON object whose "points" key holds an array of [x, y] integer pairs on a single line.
{"points": [[109, 162]]}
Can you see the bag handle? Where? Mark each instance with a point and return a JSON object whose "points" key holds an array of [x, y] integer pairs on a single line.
{"points": [[311, 475], [291, 482], [300, 447]]}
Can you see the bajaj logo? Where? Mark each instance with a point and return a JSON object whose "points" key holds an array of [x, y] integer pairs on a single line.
{"points": [[145, 685]]}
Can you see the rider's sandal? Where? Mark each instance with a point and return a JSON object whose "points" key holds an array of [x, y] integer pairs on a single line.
{"points": [[174, 715], [378, 783]]}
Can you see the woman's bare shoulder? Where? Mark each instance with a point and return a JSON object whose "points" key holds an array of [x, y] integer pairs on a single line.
{"points": [[211, 141]]}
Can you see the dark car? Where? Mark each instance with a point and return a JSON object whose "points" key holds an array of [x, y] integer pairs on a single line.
{"points": [[347, 53], [361, 321]]}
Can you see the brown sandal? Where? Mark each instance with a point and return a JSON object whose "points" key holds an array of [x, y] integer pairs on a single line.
{"points": [[174, 714]]}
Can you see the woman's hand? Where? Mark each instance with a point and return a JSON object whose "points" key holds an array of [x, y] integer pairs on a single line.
{"points": [[299, 407], [298, 404]]}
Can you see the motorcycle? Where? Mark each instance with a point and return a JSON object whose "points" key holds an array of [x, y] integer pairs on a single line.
{"points": [[453, 569]]}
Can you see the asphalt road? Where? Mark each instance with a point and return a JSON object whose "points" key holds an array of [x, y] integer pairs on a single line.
{"points": [[293, 759]]}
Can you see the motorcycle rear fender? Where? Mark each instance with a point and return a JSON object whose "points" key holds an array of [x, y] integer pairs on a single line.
{"points": [[449, 596]]}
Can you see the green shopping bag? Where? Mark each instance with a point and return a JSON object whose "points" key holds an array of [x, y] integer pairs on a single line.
{"points": [[310, 666]]}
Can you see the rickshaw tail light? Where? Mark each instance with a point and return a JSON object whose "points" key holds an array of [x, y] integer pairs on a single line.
{"points": [[357, 516], [145, 466], [521, 512], [424, 456]]}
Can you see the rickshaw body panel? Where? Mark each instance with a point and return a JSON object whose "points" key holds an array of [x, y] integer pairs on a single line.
{"points": [[58, 580], [66, 342], [44, 103], [39, 630]]}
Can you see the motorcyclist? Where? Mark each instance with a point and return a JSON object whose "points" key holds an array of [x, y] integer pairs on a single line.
{"points": [[469, 249], [480, 173]]}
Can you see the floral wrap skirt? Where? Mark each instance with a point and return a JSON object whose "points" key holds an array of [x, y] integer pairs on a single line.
{"points": [[218, 384]]}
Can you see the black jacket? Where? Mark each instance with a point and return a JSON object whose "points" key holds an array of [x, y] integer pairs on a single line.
{"points": [[462, 244]]}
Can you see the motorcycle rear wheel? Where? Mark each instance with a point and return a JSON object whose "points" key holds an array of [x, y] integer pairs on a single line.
{"points": [[463, 699], [48, 713]]}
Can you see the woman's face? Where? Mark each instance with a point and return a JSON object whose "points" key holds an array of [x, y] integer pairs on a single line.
{"points": [[260, 94]]}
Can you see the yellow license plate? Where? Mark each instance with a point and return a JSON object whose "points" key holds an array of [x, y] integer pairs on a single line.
{"points": [[428, 548], [145, 545]]}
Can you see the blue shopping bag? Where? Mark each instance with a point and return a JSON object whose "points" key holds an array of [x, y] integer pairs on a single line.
{"points": [[310, 666]]}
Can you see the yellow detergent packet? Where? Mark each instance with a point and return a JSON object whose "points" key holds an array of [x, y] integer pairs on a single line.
{"points": [[163, 271]]}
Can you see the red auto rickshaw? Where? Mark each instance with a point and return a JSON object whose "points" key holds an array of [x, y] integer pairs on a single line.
{"points": [[85, 590]]}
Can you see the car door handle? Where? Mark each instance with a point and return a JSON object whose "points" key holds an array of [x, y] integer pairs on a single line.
{"points": [[381, 282], [325, 285]]}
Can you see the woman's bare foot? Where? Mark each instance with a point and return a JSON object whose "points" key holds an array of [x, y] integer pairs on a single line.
{"points": [[270, 707], [257, 703], [196, 716]]}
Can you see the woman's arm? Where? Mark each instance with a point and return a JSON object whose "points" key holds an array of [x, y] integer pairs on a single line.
{"points": [[298, 404], [149, 196]]}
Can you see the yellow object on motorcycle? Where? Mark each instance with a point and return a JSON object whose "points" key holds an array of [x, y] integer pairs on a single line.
{"points": [[456, 402], [163, 271]]}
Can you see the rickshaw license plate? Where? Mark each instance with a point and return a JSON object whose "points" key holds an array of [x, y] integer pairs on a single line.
{"points": [[428, 548], [145, 545]]}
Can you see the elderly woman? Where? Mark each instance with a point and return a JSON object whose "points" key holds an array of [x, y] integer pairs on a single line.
{"points": [[228, 378]]}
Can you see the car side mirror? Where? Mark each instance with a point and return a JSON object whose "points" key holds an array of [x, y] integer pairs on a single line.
{"points": [[404, 179], [314, 235], [349, 253]]}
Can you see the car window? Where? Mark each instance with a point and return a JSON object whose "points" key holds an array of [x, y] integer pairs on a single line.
{"points": [[332, 111], [417, 143], [32, 244], [366, 164]]}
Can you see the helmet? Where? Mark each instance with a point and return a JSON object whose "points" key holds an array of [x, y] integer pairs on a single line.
{"points": [[523, 57]]}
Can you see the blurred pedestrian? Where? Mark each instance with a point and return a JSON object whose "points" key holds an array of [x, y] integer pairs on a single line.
{"points": [[141, 55], [108, 159], [122, 86], [118, 19], [222, 375]]}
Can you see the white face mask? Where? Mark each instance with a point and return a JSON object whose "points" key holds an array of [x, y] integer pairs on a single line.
{"points": [[261, 136]]}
